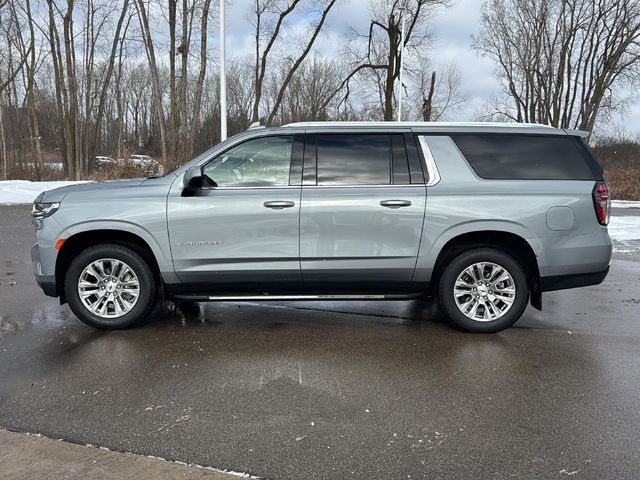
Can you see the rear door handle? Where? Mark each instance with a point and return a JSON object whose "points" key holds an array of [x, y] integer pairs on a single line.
{"points": [[279, 204], [395, 203]]}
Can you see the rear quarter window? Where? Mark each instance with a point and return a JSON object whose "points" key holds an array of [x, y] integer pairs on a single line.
{"points": [[524, 157]]}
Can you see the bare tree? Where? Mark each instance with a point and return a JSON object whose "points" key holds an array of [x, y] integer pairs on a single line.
{"points": [[375, 55], [281, 10], [197, 102], [106, 81], [309, 92], [9, 25], [561, 62], [439, 91], [177, 126], [240, 93], [155, 75]]}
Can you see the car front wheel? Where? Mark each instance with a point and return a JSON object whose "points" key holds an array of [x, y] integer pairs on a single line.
{"points": [[110, 286], [483, 290]]}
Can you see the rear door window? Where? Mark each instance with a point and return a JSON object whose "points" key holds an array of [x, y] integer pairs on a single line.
{"points": [[524, 157], [354, 159]]}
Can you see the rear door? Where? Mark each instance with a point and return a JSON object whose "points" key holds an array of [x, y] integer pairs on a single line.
{"points": [[363, 206], [243, 233]]}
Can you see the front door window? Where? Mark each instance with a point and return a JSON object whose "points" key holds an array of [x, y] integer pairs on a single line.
{"points": [[262, 162]]}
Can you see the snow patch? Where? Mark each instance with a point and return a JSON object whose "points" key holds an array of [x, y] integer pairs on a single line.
{"points": [[625, 204], [625, 234], [624, 229], [15, 192]]}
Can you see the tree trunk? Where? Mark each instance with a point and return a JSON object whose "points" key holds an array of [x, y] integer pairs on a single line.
{"points": [[4, 143], [155, 78], [427, 103], [31, 71], [173, 104], [72, 115], [197, 101], [107, 80], [61, 92]]}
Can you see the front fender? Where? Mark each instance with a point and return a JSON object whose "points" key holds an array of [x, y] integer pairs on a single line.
{"points": [[156, 240]]}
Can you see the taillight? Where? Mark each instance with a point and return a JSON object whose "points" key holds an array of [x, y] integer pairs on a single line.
{"points": [[602, 202]]}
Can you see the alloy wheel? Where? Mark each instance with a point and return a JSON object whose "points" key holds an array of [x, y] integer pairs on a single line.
{"points": [[108, 288], [484, 291]]}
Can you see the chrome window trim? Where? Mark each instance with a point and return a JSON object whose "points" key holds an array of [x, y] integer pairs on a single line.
{"points": [[261, 187], [391, 185], [316, 186], [210, 189], [432, 169]]}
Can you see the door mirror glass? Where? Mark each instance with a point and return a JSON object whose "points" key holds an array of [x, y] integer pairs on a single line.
{"points": [[261, 162]]}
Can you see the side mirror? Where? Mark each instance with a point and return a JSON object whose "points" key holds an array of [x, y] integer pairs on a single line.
{"points": [[193, 178], [192, 181]]}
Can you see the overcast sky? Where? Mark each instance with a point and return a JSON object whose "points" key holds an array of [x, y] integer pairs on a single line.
{"points": [[453, 28]]}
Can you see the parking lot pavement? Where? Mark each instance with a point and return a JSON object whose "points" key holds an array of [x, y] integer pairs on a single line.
{"points": [[332, 390]]}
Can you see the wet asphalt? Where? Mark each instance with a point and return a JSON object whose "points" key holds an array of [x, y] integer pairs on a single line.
{"points": [[332, 390]]}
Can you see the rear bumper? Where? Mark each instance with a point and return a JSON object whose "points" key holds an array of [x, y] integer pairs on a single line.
{"points": [[576, 280], [574, 255]]}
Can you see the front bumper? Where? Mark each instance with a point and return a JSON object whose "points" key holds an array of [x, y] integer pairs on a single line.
{"points": [[46, 282]]}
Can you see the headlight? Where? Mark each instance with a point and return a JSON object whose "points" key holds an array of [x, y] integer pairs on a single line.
{"points": [[44, 210]]}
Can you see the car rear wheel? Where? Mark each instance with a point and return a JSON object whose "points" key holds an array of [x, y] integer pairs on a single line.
{"points": [[483, 290], [110, 286]]}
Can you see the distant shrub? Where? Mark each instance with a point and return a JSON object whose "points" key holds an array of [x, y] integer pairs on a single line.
{"points": [[620, 159], [625, 182]]}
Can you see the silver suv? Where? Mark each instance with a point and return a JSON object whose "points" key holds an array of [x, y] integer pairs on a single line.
{"points": [[485, 217]]}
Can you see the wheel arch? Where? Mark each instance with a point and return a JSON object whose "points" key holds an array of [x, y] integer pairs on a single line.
{"points": [[88, 238], [511, 243]]}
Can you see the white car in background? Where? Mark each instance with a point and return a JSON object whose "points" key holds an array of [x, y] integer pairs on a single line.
{"points": [[146, 163]]}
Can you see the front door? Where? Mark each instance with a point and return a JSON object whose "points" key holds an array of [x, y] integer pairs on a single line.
{"points": [[361, 215], [242, 233]]}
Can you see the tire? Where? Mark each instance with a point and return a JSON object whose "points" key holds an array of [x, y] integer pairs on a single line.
{"points": [[496, 307], [118, 303]]}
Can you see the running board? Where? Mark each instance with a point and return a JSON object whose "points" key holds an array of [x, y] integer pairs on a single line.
{"points": [[236, 298], [299, 297]]}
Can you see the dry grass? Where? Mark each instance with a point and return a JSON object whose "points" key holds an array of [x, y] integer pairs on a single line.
{"points": [[625, 183], [620, 159], [119, 171], [29, 173]]}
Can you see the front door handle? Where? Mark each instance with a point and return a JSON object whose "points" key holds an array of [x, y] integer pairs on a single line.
{"points": [[395, 203], [279, 204]]}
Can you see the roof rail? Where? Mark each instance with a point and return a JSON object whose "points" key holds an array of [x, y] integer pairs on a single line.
{"points": [[255, 125], [417, 124]]}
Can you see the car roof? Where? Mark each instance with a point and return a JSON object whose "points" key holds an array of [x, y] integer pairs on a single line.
{"points": [[436, 127]]}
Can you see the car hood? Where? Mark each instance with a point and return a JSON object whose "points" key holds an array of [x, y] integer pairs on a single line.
{"points": [[57, 194]]}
